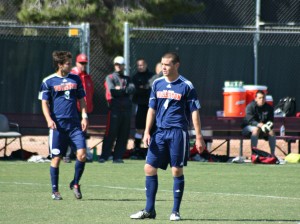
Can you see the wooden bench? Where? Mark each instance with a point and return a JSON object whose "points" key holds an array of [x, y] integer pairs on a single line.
{"points": [[229, 128], [289, 139], [226, 139], [35, 124], [223, 128]]}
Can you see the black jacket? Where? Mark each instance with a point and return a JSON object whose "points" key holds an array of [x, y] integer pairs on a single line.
{"points": [[256, 114], [119, 99], [142, 87]]}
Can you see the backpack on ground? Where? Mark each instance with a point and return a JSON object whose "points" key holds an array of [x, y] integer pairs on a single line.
{"points": [[206, 156], [21, 154], [286, 106], [262, 157]]}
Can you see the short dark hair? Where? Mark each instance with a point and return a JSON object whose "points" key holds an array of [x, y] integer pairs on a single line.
{"points": [[173, 55], [140, 59], [60, 57], [260, 92]]}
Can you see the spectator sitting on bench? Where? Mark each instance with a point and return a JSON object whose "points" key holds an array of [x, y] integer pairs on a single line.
{"points": [[259, 120]]}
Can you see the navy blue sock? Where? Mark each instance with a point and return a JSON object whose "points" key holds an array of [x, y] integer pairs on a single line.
{"points": [[54, 173], [178, 188], [79, 168], [151, 189]]}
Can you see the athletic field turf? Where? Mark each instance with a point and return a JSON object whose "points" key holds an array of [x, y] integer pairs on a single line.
{"points": [[214, 193]]}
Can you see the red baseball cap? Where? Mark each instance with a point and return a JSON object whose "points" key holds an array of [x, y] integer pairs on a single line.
{"points": [[81, 58]]}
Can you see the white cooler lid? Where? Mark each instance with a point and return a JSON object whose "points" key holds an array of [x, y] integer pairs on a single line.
{"points": [[269, 98], [255, 87], [233, 89]]}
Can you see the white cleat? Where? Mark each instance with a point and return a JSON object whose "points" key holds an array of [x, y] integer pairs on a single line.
{"points": [[175, 216], [144, 215]]}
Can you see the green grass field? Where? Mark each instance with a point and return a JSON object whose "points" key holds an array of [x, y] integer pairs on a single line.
{"points": [[214, 193]]}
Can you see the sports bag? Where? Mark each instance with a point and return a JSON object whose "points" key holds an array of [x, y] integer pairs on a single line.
{"points": [[286, 106], [262, 157], [209, 157]]}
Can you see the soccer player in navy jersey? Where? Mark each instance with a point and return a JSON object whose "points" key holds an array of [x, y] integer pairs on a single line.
{"points": [[173, 101], [59, 93]]}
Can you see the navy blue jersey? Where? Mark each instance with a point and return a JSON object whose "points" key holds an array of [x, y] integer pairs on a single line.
{"points": [[62, 94], [173, 102]]}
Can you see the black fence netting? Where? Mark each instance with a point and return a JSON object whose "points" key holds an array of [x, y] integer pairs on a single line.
{"points": [[209, 57], [25, 61]]}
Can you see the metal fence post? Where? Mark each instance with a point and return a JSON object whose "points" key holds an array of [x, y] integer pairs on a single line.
{"points": [[256, 40], [85, 42], [84, 37], [126, 49]]}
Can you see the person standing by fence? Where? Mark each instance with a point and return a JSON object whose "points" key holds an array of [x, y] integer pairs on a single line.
{"points": [[59, 93], [119, 90], [158, 73], [141, 99]]}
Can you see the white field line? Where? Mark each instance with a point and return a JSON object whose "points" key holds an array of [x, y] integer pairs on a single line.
{"points": [[142, 189]]}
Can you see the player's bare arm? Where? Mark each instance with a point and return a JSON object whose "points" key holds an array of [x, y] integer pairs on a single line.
{"points": [[84, 121], [200, 144], [149, 123], [46, 111]]}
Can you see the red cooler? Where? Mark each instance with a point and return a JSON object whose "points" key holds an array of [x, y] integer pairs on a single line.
{"points": [[251, 91], [269, 100]]}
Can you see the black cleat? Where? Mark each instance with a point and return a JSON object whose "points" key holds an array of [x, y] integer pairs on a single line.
{"points": [[101, 160], [72, 184], [67, 159], [118, 161]]}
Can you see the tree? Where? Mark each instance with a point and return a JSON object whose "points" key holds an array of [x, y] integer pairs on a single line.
{"points": [[107, 16]]}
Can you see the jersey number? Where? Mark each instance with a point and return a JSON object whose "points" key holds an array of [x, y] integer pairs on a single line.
{"points": [[67, 95], [166, 104]]}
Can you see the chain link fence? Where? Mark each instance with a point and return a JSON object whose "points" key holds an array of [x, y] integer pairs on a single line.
{"points": [[223, 49], [225, 13], [209, 57], [30, 47], [219, 13], [101, 64], [215, 13], [27, 59], [241, 13]]}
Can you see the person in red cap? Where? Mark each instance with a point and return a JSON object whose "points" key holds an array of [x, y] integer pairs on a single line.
{"points": [[88, 85], [87, 82]]}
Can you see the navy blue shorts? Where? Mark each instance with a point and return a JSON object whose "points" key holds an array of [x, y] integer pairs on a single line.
{"points": [[60, 139], [168, 146]]}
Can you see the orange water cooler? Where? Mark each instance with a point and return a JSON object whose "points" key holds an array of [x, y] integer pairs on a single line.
{"points": [[234, 101]]}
